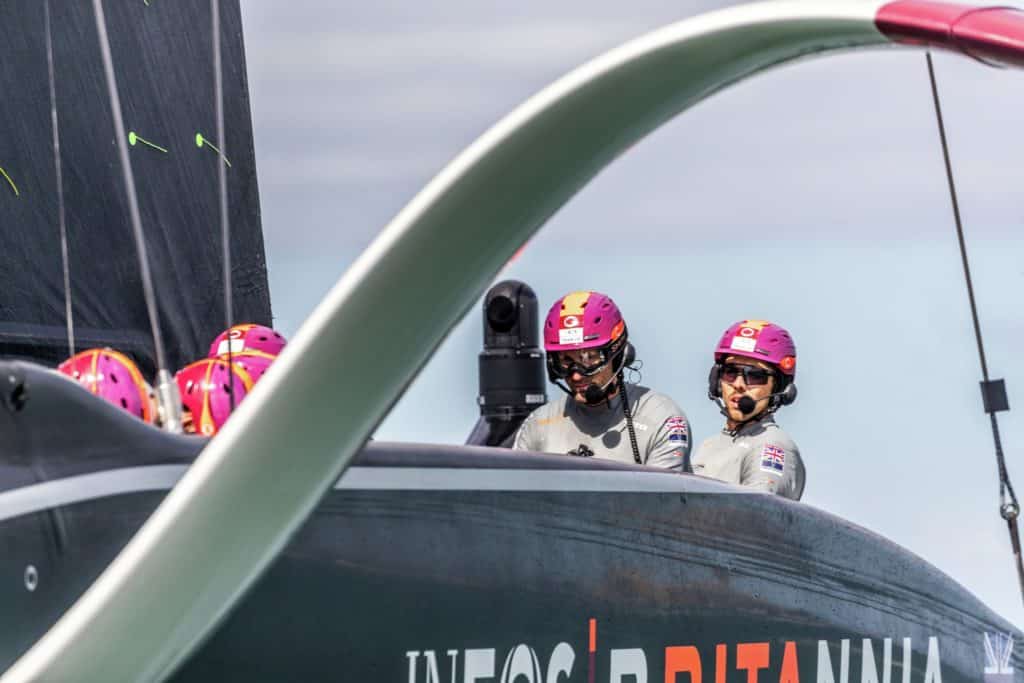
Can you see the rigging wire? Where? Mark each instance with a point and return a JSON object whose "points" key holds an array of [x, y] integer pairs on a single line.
{"points": [[60, 184], [222, 184], [167, 389], [993, 392]]}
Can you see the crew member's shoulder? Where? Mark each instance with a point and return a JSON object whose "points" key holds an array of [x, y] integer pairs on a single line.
{"points": [[648, 399], [776, 435]]}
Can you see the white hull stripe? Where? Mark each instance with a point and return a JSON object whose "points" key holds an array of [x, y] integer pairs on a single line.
{"points": [[38, 497], [59, 492]]}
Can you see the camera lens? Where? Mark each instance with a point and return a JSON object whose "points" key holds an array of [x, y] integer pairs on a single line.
{"points": [[501, 314]]}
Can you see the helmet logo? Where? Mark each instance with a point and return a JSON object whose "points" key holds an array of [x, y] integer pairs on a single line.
{"points": [[788, 364], [617, 330], [573, 335], [235, 333], [743, 343], [746, 336], [570, 321], [233, 345]]}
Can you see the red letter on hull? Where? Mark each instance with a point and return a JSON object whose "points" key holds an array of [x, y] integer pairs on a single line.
{"points": [[682, 659], [752, 657], [790, 671]]}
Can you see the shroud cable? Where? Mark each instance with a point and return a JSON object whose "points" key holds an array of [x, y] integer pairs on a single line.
{"points": [[60, 184], [167, 389], [1009, 510]]}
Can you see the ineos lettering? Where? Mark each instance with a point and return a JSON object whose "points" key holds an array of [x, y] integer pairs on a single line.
{"points": [[631, 662], [521, 661], [479, 665], [754, 662]]}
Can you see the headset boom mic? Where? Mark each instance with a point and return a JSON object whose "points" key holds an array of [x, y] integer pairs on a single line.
{"points": [[746, 405], [593, 394]]}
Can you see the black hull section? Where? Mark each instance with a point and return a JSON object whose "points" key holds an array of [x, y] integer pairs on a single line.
{"points": [[438, 564]]}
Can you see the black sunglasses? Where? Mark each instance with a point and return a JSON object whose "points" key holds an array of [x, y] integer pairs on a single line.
{"points": [[752, 376]]}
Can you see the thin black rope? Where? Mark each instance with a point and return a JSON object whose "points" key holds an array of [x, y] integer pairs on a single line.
{"points": [[60, 184], [222, 183], [1008, 511], [149, 293], [956, 216]]}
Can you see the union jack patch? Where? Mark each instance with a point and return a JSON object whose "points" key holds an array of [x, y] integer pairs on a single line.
{"points": [[677, 429], [773, 459]]}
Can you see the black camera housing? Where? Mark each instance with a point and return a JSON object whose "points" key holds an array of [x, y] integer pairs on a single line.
{"points": [[511, 366]]}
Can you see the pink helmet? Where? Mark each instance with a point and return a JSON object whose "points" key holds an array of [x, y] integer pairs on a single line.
{"points": [[204, 392], [247, 337], [583, 320], [759, 339], [113, 376], [253, 362]]}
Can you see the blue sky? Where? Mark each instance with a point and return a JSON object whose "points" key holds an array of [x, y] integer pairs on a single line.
{"points": [[813, 195]]}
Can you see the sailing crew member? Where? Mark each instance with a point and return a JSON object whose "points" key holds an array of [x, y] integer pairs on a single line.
{"points": [[114, 377], [252, 346], [205, 395], [753, 376], [588, 348], [247, 337]]}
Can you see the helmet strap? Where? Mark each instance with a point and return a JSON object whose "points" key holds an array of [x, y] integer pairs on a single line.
{"points": [[606, 390], [774, 403]]}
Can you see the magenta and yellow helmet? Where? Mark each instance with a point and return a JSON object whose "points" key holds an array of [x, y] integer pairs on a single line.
{"points": [[253, 362], [247, 337], [206, 394], [583, 333], [761, 340], [583, 320], [114, 377]]}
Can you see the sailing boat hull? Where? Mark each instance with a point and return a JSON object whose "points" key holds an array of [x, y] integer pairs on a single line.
{"points": [[431, 563]]}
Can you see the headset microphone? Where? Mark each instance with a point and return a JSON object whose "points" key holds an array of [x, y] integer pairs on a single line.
{"points": [[593, 394], [747, 405]]}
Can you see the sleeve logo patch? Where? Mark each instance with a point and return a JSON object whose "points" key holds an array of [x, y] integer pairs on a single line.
{"points": [[677, 428], [773, 459]]}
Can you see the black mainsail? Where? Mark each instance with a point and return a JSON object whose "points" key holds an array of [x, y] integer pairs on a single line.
{"points": [[164, 64]]}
